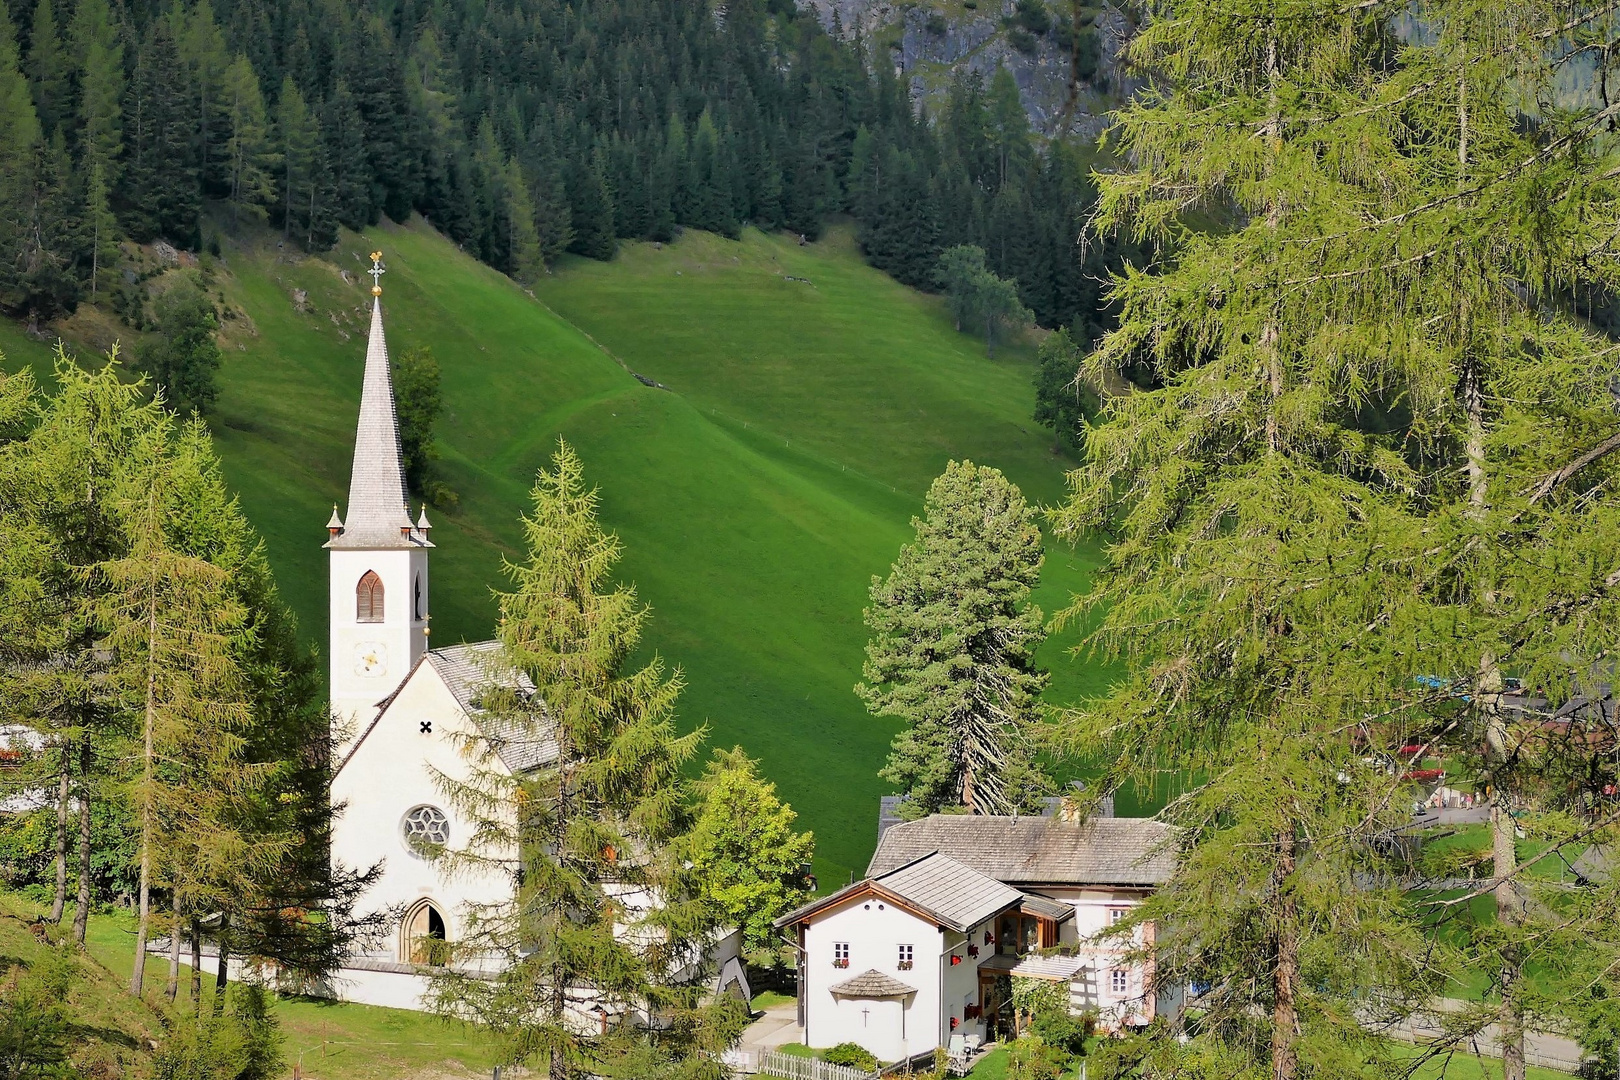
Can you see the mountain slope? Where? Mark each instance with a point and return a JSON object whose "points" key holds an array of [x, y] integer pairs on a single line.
{"points": [[755, 497]]}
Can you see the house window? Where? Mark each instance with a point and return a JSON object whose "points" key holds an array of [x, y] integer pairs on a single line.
{"points": [[1116, 980], [1117, 914], [368, 598], [906, 956], [840, 954]]}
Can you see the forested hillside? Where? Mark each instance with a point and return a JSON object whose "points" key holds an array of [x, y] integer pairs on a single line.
{"points": [[522, 129]]}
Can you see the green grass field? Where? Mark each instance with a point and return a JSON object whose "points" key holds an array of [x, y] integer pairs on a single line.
{"points": [[755, 498]]}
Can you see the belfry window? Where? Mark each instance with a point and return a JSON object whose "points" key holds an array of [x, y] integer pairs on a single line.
{"points": [[421, 608], [368, 598]]}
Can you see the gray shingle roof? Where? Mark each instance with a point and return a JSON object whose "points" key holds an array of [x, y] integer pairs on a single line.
{"points": [[376, 514], [1037, 850], [872, 984], [958, 896], [466, 671], [938, 887]]}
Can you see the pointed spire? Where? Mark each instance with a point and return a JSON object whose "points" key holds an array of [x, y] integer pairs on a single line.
{"points": [[334, 525], [377, 517], [422, 525]]}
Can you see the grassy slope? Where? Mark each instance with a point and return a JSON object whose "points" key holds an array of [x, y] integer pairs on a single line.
{"points": [[754, 502]]}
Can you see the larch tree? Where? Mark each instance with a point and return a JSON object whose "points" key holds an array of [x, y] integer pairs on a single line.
{"points": [[600, 947], [169, 620], [1372, 484], [952, 651]]}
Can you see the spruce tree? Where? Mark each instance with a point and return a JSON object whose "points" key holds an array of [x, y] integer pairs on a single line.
{"points": [[100, 52], [1062, 401], [48, 68], [19, 145], [952, 652], [576, 836], [160, 194], [1371, 484]]}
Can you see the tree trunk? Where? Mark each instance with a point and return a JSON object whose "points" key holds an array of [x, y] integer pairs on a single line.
{"points": [[81, 916], [171, 989], [1510, 1021], [1285, 970], [64, 793], [196, 966], [223, 969], [143, 917]]}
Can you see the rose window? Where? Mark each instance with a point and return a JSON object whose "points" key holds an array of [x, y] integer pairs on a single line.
{"points": [[425, 826]]}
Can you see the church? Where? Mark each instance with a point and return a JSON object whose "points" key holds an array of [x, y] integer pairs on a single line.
{"points": [[404, 711]]}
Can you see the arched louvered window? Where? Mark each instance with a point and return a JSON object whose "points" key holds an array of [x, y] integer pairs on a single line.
{"points": [[421, 608], [368, 598]]}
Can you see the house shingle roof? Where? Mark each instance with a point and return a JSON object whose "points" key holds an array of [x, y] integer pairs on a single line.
{"points": [[872, 984], [935, 886], [1037, 850], [958, 896]]}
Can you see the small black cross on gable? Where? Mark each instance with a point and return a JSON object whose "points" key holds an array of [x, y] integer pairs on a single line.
{"points": [[427, 727]]}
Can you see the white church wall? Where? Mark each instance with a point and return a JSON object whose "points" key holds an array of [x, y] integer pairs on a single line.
{"points": [[391, 772], [369, 659]]}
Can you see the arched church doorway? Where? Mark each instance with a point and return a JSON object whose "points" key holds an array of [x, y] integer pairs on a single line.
{"points": [[422, 935]]}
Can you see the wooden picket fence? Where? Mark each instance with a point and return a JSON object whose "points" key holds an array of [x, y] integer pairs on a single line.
{"points": [[790, 1067]]}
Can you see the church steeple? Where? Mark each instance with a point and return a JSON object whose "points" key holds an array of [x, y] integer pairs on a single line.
{"points": [[376, 516], [378, 601]]}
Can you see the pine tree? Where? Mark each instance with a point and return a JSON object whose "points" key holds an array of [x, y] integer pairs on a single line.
{"points": [[19, 145], [160, 195], [1062, 401], [346, 152], [101, 225], [101, 87], [1371, 483], [598, 825], [184, 358], [207, 62], [56, 485], [952, 648], [48, 69], [591, 210]]}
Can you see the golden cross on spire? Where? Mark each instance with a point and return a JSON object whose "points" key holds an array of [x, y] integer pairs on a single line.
{"points": [[376, 273]]}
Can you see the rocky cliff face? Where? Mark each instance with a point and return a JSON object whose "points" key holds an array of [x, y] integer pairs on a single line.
{"points": [[929, 42]]}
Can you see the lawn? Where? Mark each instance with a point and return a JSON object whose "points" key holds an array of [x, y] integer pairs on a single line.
{"points": [[332, 1040], [755, 497]]}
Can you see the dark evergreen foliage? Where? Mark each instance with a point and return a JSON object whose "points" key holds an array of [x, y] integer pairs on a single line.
{"points": [[527, 128]]}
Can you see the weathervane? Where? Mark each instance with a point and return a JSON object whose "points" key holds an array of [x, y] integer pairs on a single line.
{"points": [[376, 273]]}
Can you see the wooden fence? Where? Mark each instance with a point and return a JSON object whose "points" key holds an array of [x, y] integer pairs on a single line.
{"points": [[789, 1067]]}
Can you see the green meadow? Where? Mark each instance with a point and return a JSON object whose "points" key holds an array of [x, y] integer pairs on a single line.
{"points": [[807, 402]]}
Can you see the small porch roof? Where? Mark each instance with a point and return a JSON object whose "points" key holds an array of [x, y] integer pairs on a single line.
{"points": [[872, 983]]}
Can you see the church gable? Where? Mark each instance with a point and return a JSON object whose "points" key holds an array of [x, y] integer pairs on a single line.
{"points": [[422, 722]]}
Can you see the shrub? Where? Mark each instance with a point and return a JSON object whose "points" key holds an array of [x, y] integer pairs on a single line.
{"points": [[1022, 40], [936, 24], [852, 1054], [1033, 1058], [1032, 16]]}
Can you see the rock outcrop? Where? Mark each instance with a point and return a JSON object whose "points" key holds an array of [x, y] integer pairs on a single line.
{"points": [[928, 44]]}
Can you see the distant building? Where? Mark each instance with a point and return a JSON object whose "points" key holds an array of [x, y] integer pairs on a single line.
{"points": [[955, 906]]}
